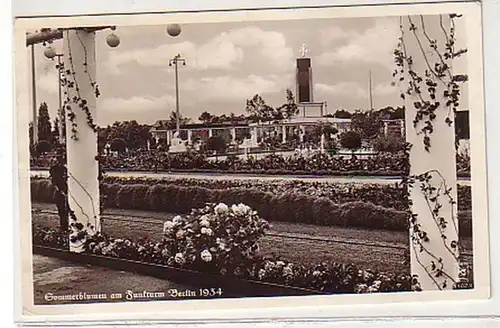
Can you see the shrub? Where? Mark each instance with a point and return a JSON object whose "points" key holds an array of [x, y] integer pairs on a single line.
{"points": [[43, 146], [286, 207], [350, 140]]}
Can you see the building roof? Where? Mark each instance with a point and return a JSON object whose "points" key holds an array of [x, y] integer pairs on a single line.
{"points": [[162, 124]]}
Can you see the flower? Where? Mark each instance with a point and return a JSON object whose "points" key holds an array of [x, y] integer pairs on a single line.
{"points": [[262, 274], [269, 266], [221, 209], [288, 271], [207, 231], [179, 258], [177, 219], [244, 208], [205, 223], [167, 226], [236, 210], [316, 273], [180, 234], [206, 256]]}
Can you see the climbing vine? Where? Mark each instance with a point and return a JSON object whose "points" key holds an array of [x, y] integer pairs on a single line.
{"points": [[438, 87], [426, 94], [74, 104], [70, 82]]}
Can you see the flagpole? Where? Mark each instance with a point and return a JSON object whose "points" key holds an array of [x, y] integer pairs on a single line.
{"points": [[371, 93]]}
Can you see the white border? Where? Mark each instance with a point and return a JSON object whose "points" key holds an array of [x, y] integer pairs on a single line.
{"points": [[477, 120]]}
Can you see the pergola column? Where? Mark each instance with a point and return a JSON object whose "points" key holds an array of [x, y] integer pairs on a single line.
{"points": [[428, 256], [83, 184], [190, 136], [233, 134], [302, 132], [169, 137], [283, 134]]}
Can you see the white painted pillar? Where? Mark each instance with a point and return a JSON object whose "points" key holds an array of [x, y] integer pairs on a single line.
{"points": [[302, 132], [210, 133], [190, 137], [83, 186], [233, 134], [169, 137], [386, 128], [440, 159], [283, 134], [254, 137]]}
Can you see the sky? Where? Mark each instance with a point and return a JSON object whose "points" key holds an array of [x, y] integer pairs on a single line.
{"points": [[227, 63]]}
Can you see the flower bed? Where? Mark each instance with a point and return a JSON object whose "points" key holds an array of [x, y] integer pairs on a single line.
{"points": [[286, 207], [383, 164], [221, 239]]}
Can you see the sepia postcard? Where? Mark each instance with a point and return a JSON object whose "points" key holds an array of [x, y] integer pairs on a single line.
{"points": [[250, 159]]}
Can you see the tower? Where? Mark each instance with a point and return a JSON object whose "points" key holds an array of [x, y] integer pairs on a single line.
{"points": [[304, 87], [304, 77]]}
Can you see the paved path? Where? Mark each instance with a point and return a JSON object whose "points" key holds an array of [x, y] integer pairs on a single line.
{"points": [[53, 277], [220, 176]]}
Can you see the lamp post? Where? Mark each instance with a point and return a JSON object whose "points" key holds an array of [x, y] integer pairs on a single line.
{"points": [[175, 62], [33, 85], [50, 53]]}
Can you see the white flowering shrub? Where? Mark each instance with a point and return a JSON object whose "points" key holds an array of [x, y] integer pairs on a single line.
{"points": [[217, 237]]}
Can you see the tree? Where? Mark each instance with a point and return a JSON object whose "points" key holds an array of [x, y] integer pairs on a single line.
{"points": [[102, 138], [258, 109], [350, 140], [217, 144], [43, 146], [55, 129], [135, 135], [44, 126], [30, 133], [323, 128], [392, 144], [206, 117], [368, 124], [172, 120], [289, 108], [118, 145], [341, 113]]}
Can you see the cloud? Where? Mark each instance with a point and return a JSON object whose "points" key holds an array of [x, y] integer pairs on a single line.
{"points": [[223, 51], [137, 104], [343, 89], [220, 55], [385, 89], [375, 46], [233, 88], [334, 33], [48, 82]]}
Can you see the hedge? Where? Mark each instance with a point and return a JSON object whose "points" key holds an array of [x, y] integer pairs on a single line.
{"points": [[286, 207], [385, 195]]}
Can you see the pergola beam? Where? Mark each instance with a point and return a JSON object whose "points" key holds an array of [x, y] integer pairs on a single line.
{"points": [[50, 35]]}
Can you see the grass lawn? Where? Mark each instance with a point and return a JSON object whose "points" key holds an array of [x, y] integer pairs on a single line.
{"points": [[338, 244]]}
